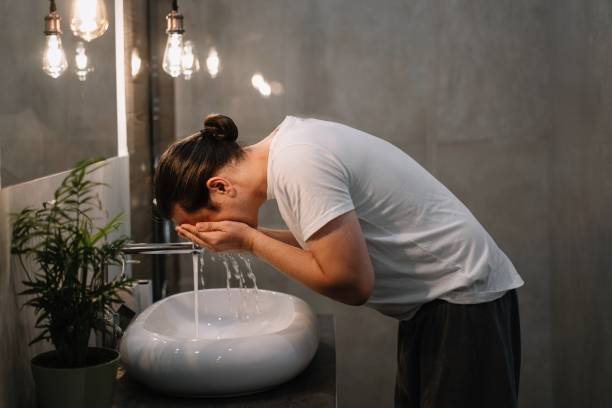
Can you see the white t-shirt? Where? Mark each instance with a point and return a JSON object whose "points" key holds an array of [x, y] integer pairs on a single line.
{"points": [[423, 242]]}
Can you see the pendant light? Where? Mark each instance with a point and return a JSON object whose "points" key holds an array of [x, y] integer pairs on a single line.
{"points": [[173, 54], [89, 19], [54, 58]]}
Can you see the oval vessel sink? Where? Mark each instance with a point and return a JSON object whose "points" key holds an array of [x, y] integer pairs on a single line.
{"points": [[246, 342]]}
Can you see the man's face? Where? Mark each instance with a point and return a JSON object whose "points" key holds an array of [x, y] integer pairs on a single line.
{"points": [[226, 211]]}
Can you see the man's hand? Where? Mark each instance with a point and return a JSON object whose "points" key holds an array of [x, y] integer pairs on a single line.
{"points": [[219, 236]]}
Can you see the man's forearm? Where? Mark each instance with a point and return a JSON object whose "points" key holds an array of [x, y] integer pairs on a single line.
{"points": [[293, 261], [281, 235], [300, 265]]}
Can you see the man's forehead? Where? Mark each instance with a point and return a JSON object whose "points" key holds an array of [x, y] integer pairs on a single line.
{"points": [[180, 216]]}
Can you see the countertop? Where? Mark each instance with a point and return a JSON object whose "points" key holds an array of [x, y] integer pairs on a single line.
{"points": [[314, 387]]}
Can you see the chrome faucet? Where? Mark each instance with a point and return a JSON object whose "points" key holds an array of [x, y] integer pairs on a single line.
{"points": [[162, 248]]}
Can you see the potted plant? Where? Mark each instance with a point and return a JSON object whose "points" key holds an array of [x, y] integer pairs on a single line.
{"points": [[65, 284]]}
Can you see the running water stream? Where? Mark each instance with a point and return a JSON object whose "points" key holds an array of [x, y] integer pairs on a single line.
{"points": [[196, 309], [232, 269]]}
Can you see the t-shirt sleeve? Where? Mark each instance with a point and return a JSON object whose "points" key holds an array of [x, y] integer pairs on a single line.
{"points": [[313, 184]]}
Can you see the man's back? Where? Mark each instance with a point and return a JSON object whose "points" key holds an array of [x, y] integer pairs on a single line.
{"points": [[423, 242]]}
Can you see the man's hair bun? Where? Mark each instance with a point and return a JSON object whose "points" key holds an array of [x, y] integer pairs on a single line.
{"points": [[220, 127]]}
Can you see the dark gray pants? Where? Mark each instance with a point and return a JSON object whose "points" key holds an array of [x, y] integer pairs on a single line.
{"points": [[458, 356]]}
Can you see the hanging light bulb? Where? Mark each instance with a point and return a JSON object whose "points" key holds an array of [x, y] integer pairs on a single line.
{"points": [[190, 63], [89, 20], [173, 54], [83, 66], [54, 57], [213, 62]]}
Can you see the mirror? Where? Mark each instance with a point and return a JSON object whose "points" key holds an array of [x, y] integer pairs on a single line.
{"points": [[46, 124]]}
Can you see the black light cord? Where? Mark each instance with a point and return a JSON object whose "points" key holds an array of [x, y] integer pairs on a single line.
{"points": [[175, 5], [52, 7]]}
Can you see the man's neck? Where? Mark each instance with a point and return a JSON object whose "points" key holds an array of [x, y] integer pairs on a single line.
{"points": [[256, 162]]}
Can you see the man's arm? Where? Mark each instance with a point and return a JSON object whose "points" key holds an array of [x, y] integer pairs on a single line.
{"points": [[281, 235], [336, 264]]}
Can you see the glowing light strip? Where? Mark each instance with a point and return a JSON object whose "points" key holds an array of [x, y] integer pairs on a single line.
{"points": [[122, 149]]}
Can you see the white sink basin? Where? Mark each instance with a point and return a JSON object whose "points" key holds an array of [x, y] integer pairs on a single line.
{"points": [[245, 345]]}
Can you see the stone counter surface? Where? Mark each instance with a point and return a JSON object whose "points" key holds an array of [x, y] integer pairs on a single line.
{"points": [[314, 387]]}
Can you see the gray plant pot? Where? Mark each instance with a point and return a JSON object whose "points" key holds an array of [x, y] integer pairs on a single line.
{"points": [[90, 386]]}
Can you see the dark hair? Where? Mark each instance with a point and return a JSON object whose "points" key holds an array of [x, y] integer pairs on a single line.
{"points": [[186, 165]]}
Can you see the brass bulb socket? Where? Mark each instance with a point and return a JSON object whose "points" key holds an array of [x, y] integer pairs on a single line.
{"points": [[175, 23], [52, 23]]}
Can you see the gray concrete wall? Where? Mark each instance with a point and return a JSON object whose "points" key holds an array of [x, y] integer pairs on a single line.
{"points": [[462, 86], [581, 204], [47, 125]]}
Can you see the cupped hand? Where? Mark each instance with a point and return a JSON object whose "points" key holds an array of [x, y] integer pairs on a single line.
{"points": [[219, 236]]}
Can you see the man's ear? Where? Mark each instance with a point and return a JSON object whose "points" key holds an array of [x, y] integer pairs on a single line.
{"points": [[218, 185]]}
